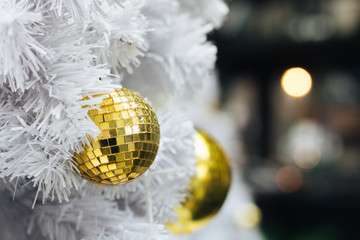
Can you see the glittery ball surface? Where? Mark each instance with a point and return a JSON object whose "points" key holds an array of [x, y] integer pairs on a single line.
{"points": [[128, 142], [208, 188]]}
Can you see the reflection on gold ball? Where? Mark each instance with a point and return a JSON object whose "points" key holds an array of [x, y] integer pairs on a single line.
{"points": [[128, 142], [208, 189]]}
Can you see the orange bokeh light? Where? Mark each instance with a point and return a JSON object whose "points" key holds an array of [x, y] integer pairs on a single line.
{"points": [[289, 179], [296, 82]]}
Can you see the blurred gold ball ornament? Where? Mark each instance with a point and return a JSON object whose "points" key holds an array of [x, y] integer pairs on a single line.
{"points": [[128, 142], [208, 188]]}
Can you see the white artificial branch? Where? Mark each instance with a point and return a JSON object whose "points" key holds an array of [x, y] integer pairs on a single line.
{"points": [[55, 53], [119, 33], [212, 11], [21, 54]]}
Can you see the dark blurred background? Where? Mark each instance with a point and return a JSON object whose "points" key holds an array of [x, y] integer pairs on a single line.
{"points": [[302, 154]]}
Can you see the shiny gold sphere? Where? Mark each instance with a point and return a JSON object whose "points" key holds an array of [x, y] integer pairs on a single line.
{"points": [[208, 188], [128, 142]]}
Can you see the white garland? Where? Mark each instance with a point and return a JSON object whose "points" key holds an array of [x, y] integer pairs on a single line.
{"points": [[52, 54]]}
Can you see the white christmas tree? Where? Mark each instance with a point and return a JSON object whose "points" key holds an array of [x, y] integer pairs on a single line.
{"points": [[54, 53]]}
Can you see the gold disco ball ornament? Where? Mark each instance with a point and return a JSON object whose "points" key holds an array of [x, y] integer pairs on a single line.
{"points": [[128, 142], [208, 188]]}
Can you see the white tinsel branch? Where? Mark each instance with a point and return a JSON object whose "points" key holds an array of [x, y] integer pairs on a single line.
{"points": [[48, 122], [92, 218], [119, 33], [179, 56], [212, 11], [21, 54]]}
